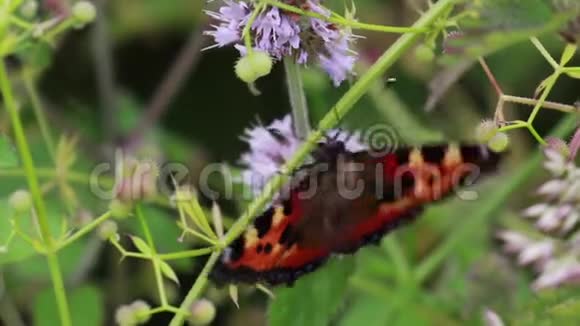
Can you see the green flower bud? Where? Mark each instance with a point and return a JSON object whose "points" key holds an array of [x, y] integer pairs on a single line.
{"points": [[124, 316], [485, 131], [254, 65], [141, 309], [107, 229], [119, 209], [202, 312], [424, 53], [84, 12], [29, 9], [20, 201], [499, 142]]}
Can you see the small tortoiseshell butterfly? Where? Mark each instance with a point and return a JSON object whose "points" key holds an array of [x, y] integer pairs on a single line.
{"points": [[353, 200]]}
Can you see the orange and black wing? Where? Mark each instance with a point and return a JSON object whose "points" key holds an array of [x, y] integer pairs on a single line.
{"points": [[294, 238]]}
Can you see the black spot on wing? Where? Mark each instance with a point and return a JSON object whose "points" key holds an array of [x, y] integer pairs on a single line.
{"points": [[237, 248], [285, 237], [264, 222], [434, 154], [268, 248], [287, 207]]}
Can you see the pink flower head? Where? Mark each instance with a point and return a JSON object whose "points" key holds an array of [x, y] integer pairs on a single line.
{"points": [[281, 34], [272, 145]]}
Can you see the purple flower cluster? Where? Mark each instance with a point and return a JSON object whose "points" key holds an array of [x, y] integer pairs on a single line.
{"points": [[281, 34], [555, 251], [271, 146]]}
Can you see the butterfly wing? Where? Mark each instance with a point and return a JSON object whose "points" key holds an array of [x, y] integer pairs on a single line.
{"points": [[292, 239]]}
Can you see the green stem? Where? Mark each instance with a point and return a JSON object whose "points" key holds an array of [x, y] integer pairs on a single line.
{"points": [[543, 97], [515, 125], [544, 52], [247, 29], [34, 187], [547, 104], [58, 29], [155, 261], [343, 106], [493, 203], [195, 291], [39, 112], [346, 22], [84, 230], [297, 98], [186, 254]]}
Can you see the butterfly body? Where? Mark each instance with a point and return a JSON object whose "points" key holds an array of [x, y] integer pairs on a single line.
{"points": [[343, 201]]}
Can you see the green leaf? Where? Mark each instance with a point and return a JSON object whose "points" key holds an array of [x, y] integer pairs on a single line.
{"points": [[368, 311], [315, 298], [18, 249], [495, 24], [141, 245], [163, 226], [567, 54], [168, 271], [573, 72], [36, 54], [8, 157], [86, 307]]}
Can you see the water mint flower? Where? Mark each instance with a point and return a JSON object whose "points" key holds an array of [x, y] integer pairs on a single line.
{"points": [[307, 40], [272, 145], [555, 251]]}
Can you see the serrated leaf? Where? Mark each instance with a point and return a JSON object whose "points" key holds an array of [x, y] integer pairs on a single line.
{"points": [[315, 298], [168, 271], [86, 307], [141, 245], [8, 157]]}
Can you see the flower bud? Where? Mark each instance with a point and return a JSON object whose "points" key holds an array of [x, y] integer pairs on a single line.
{"points": [[254, 65], [29, 9], [202, 312], [424, 53], [141, 310], [499, 142], [139, 183], [119, 209], [84, 12], [107, 229], [559, 146], [124, 316], [485, 131], [20, 201]]}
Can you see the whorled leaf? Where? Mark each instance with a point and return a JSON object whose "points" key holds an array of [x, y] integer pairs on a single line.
{"points": [[168, 271], [141, 245]]}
